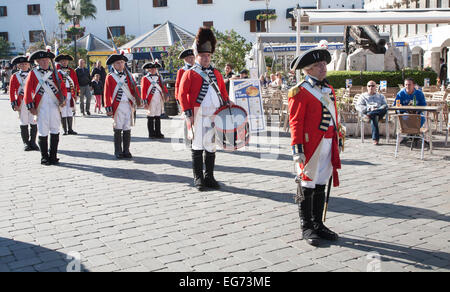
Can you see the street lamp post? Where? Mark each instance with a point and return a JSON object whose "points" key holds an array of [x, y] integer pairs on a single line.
{"points": [[24, 42], [73, 8], [267, 14], [61, 26]]}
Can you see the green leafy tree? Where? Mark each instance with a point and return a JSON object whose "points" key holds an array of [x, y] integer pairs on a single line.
{"points": [[5, 48], [88, 10], [171, 60], [231, 48], [123, 39]]}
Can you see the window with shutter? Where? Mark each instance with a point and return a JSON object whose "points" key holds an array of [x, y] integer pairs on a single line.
{"points": [[159, 3], [208, 24], [252, 25], [34, 9], [112, 4], [4, 36], [116, 31], [3, 11], [35, 35]]}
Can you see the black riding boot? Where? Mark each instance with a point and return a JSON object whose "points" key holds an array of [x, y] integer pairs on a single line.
{"points": [[118, 144], [54, 141], [305, 211], [197, 167], [126, 144], [33, 134], [43, 146], [64, 125], [70, 124], [158, 133], [151, 127], [25, 138], [210, 159], [318, 206]]}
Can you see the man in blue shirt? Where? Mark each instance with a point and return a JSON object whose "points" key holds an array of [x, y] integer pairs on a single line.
{"points": [[411, 96]]}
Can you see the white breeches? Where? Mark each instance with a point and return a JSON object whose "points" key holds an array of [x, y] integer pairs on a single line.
{"points": [[324, 167], [123, 116], [49, 116], [67, 111], [25, 116], [156, 105], [204, 134]]}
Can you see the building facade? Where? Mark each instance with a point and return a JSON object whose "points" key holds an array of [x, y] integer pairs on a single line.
{"points": [[427, 42], [20, 20]]}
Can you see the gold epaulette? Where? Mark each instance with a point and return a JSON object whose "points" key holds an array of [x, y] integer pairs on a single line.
{"points": [[293, 91]]}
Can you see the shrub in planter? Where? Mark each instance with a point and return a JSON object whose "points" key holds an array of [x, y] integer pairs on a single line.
{"points": [[337, 78]]}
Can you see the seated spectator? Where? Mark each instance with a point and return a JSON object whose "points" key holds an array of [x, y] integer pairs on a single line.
{"points": [[409, 95], [373, 107], [273, 78]]}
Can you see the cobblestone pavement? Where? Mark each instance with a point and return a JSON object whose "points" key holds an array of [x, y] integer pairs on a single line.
{"points": [[95, 213]]}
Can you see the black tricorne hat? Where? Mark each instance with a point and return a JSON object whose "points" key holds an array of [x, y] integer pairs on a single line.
{"points": [[63, 57], [309, 57], [19, 59], [151, 65], [41, 54], [186, 53], [116, 57]]}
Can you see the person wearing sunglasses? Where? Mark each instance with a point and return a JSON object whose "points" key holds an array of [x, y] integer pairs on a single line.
{"points": [[373, 107]]}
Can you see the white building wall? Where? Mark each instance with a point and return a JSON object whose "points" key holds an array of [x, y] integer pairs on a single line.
{"points": [[139, 16]]}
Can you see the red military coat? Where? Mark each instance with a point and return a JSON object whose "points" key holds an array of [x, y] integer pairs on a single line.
{"points": [[111, 102], [32, 98], [180, 74], [190, 87], [74, 77], [307, 116], [75, 90], [15, 88], [145, 85]]}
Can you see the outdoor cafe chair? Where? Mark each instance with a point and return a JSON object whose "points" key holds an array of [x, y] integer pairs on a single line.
{"points": [[409, 126]]}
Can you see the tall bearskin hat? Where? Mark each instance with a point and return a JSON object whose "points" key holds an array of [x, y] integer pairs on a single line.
{"points": [[205, 41]]}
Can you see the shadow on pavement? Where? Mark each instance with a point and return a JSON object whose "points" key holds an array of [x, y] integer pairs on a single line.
{"points": [[134, 139], [337, 204], [385, 210], [25, 257], [391, 252], [130, 174], [357, 162]]}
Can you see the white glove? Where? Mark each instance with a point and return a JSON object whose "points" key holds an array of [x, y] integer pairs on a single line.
{"points": [[299, 158]]}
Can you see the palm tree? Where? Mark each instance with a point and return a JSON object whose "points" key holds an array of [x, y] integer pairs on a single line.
{"points": [[88, 10]]}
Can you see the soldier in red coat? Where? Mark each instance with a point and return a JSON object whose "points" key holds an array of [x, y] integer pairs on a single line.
{"points": [[315, 141], [16, 93], [120, 103], [189, 61], [154, 93], [202, 91], [70, 81], [44, 97]]}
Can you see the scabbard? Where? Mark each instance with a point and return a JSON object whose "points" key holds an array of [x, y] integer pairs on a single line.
{"points": [[328, 198], [299, 197]]}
